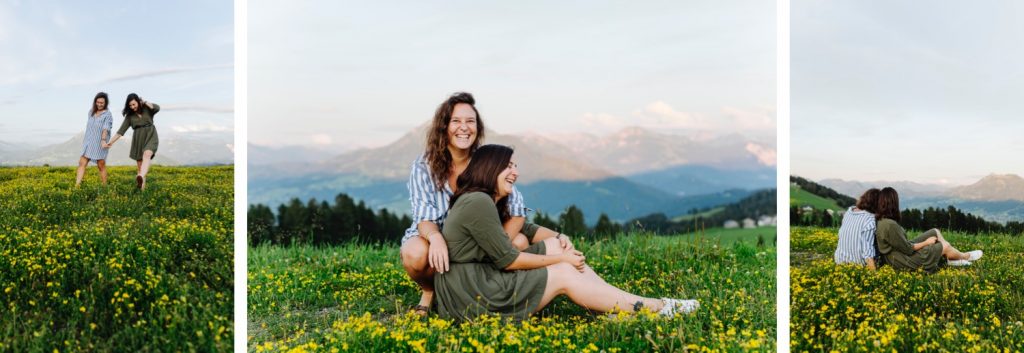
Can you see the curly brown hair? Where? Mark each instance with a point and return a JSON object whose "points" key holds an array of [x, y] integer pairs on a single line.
{"points": [[438, 157], [869, 200]]}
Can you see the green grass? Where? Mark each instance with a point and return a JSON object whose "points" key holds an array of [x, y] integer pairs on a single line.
{"points": [[846, 308], [107, 268], [799, 197], [356, 298]]}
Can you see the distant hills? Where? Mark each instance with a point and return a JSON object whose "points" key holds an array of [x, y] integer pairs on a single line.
{"points": [[627, 174], [174, 149], [997, 197]]}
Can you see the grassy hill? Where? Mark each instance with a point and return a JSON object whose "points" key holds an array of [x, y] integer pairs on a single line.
{"points": [[108, 268], [846, 308], [800, 197], [356, 297]]}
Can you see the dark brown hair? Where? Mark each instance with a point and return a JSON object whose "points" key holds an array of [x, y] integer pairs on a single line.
{"points": [[438, 157], [869, 200], [888, 204], [482, 175], [127, 109], [106, 99]]}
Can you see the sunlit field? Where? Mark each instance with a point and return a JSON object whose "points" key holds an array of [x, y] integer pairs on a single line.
{"points": [[959, 309], [356, 298], [108, 268]]}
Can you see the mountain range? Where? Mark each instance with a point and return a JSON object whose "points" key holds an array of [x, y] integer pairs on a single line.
{"points": [[628, 174], [997, 197], [175, 149]]}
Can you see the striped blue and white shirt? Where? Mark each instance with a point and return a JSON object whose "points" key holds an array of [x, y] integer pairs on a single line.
{"points": [[429, 204], [92, 143], [856, 237]]}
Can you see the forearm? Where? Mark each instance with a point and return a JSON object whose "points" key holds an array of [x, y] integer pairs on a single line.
{"points": [[870, 263], [426, 228], [544, 233], [921, 245], [116, 136], [528, 261], [104, 135]]}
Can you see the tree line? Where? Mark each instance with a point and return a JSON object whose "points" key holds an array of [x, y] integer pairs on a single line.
{"points": [[823, 191], [321, 223], [949, 218]]}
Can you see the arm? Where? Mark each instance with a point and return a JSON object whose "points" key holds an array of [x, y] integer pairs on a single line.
{"points": [[894, 236], [925, 243], [120, 132], [153, 107], [563, 240], [426, 213], [871, 263], [528, 261]]}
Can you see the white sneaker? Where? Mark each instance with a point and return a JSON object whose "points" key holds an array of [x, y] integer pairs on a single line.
{"points": [[974, 255], [959, 263], [673, 306]]}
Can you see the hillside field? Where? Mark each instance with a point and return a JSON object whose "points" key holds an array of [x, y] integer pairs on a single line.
{"points": [[979, 308], [108, 268], [356, 298]]}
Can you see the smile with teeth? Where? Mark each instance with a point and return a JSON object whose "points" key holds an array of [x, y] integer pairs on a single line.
{"points": [[510, 180]]}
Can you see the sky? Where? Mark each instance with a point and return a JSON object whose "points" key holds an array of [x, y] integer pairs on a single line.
{"points": [[58, 54], [905, 90], [344, 74]]}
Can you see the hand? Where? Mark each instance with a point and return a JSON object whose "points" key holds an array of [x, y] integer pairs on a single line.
{"points": [[437, 254], [931, 240], [576, 259], [564, 241], [106, 145]]}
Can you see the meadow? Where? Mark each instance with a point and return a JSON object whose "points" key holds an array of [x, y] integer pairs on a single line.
{"points": [[109, 268], [356, 298], [846, 308]]}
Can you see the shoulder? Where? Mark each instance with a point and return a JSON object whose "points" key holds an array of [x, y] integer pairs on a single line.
{"points": [[885, 224]]}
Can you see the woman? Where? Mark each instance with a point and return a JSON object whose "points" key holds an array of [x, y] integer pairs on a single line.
{"points": [[97, 130], [857, 233], [489, 275], [454, 135], [139, 115], [928, 251]]}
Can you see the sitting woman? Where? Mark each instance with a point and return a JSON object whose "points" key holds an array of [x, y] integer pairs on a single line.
{"points": [[928, 251], [857, 233], [489, 275]]}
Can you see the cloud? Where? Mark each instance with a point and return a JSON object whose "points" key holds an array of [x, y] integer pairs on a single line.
{"points": [[659, 115], [148, 74], [202, 127], [321, 139], [765, 155], [199, 108]]}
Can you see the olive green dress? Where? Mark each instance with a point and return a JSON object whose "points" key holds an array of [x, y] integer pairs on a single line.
{"points": [[898, 252], [479, 250], [144, 135]]}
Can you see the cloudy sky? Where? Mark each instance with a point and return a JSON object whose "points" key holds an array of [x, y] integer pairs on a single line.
{"points": [[903, 90], [58, 54], [360, 74]]}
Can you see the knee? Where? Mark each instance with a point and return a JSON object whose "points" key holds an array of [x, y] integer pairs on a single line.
{"points": [[83, 162], [520, 242], [414, 253], [552, 247]]}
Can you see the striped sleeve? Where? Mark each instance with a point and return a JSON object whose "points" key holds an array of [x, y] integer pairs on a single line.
{"points": [[108, 123], [516, 205], [867, 237], [423, 194]]}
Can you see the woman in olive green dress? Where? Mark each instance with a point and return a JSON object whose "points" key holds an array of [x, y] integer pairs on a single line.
{"points": [[488, 274], [138, 114], [928, 251]]}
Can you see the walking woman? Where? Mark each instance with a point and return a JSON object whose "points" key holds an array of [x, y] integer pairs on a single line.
{"points": [[97, 131], [139, 115], [490, 275], [455, 134], [928, 251]]}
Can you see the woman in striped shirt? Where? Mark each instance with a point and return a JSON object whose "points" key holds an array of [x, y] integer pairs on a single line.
{"points": [[97, 130], [857, 233], [455, 133]]}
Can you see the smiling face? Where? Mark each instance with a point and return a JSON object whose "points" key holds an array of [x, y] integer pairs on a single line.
{"points": [[506, 179], [101, 104], [134, 105], [462, 127]]}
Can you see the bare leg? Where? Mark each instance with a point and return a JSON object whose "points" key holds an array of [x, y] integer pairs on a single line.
{"points": [[952, 253], [144, 166], [82, 163], [587, 289], [102, 165], [414, 259], [521, 242]]}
